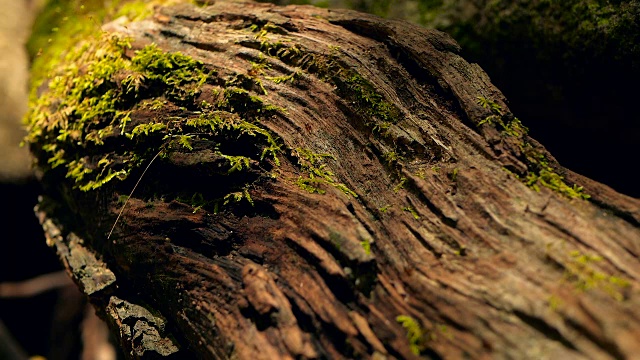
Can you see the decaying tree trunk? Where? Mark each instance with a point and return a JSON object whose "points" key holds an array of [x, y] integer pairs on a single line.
{"points": [[320, 184]]}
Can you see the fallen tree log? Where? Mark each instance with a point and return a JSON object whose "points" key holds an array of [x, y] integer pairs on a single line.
{"points": [[240, 180]]}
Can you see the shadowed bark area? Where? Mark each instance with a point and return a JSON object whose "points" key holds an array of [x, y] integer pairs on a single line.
{"points": [[324, 184]]}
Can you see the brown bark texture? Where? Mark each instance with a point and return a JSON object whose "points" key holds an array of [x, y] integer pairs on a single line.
{"points": [[405, 213]]}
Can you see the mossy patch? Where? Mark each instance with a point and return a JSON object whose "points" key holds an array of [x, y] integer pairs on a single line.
{"points": [[411, 210], [539, 171], [415, 334], [366, 246], [63, 23], [368, 107], [90, 98], [107, 111], [378, 113], [581, 271], [317, 173]]}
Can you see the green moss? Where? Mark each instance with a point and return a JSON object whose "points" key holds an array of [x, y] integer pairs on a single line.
{"points": [[554, 302], [366, 245], [400, 185], [317, 173], [237, 99], [87, 106], [378, 113], [539, 171], [216, 121], [415, 334], [238, 196], [90, 103], [580, 271], [412, 211], [284, 78], [146, 129], [461, 251], [174, 76], [542, 174], [489, 104], [392, 157], [454, 174]]}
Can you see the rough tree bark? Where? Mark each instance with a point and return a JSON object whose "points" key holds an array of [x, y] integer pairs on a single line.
{"points": [[320, 184]]}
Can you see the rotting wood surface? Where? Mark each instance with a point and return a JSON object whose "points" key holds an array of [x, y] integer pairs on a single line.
{"points": [[422, 240]]}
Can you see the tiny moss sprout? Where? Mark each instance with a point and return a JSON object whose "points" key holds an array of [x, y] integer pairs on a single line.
{"points": [[392, 157], [554, 302], [284, 78], [400, 185], [366, 245], [412, 211], [415, 334], [317, 173], [490, 104], [454, 174]]}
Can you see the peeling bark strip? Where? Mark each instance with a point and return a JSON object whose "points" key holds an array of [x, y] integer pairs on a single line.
{"points": [[329, 185]]}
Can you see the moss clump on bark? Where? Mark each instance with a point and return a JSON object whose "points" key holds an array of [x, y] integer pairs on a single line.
{"points": [[317, 173], [81, 121], [415, 334], [89, 101], [63, 23]]}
